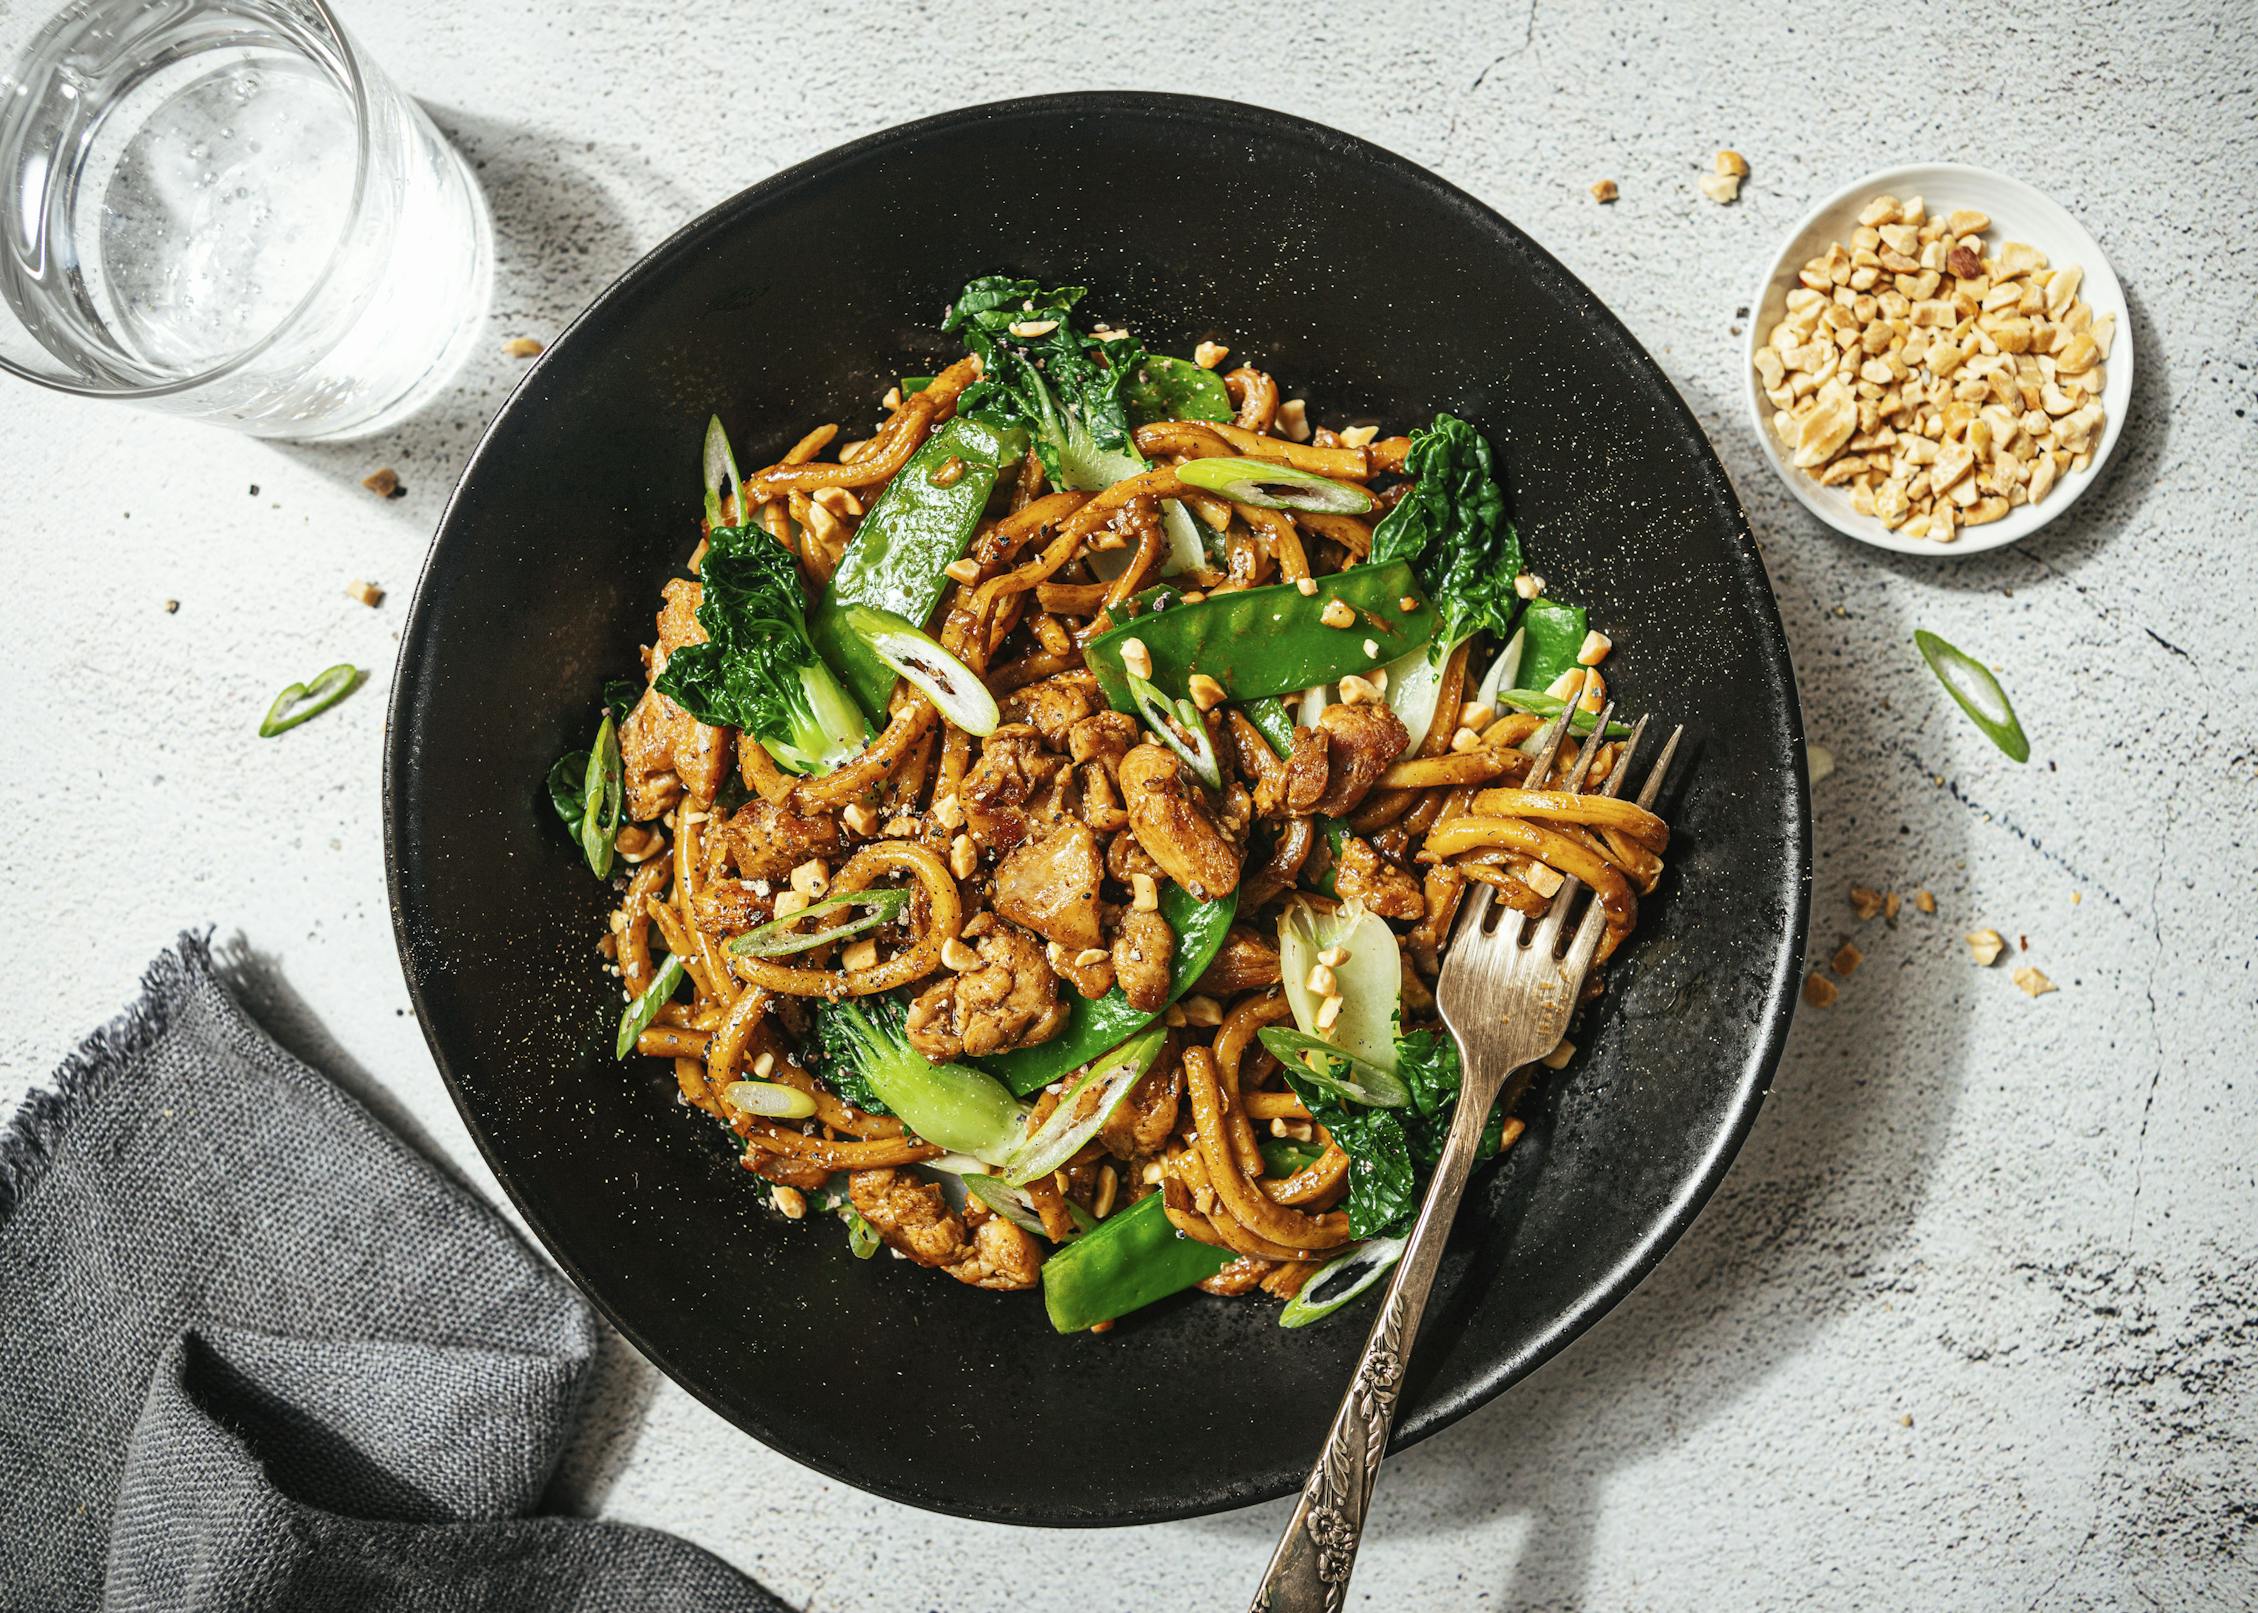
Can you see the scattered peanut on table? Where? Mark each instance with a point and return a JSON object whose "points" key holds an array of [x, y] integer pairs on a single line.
{"points": [[1942, 384]]}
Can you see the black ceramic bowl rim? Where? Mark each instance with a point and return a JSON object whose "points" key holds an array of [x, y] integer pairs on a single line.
{"points": [[1773, 1015]]}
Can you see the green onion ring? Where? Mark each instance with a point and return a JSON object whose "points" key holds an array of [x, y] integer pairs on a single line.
{"points": [[1170, 721], [779, 938], [309, 699], [1271, 486]]}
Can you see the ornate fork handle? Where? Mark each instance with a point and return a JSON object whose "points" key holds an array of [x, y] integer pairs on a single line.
{"points": [[1309, 1572]]}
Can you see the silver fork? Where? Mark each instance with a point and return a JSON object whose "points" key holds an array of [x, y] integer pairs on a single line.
{"points": [[1505, 1004]]}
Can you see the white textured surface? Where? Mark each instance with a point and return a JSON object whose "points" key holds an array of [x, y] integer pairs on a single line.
{"points": [[1971, 1324]]}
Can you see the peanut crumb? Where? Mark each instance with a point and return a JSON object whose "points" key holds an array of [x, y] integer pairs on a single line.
{"points": [[1721, 188], [1562, 1051], [366, 592], [1731, 162], [384, 483], [1846, 960], [1924, 901], [521, 347], [1306, 587], [1209, 354], [1985, 946], [1604, 191], [1865, 901], [1819, 991], [1337, 613], [2033, 983]]}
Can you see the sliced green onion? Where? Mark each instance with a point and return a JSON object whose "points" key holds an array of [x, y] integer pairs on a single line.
{"points": [[601, 797], [770, 1099], [780, 938], [1548, 705], [1344, 1075], [1171, 721], [1085, 1109], [568, 788], [645, 1008], [1274, 487], [1001, 1197], [309, 699], [952, 686], [1972, 684], [1083, 1220], [862, 1237], [721, 467], [912, 385], [1336, 1283]]}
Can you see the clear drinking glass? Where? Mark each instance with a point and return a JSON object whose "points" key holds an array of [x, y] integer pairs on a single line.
{"points": [[224, 209]]}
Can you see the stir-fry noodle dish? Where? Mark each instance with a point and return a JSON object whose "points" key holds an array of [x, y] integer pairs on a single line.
{"points": [[1038, 819]]}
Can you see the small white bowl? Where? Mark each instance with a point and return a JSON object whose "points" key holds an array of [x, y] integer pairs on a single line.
{"points": [[2018, 213]]}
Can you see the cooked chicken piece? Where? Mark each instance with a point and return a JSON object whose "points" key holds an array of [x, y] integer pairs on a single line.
{"points": [[666, 750], [1148, 1114], [786, 1170], [1363, 876], [1014, 768], [1003, 1258], [1103, 737], [1238, 1277], [1360, 741], [1284, 786], [1245, 962], [1143, 950], [910, 1216], [646, 753], [1124, 857], [1054, 705], [726, 908], [1172, 821], [1050, 886], [768, 842], [678, 620], [1093, 979], [1101, 799], [1009, 999]]}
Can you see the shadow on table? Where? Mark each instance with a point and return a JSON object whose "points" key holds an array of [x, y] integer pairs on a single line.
{"points": [[1810, 1226], [562, 233]]}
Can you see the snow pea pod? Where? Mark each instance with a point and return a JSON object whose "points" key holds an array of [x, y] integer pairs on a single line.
{"points": [[900, 555], [1269, 641], [1131, 1259], [1095, 1026]]}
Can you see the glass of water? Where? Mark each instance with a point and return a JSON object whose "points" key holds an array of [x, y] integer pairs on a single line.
{"points": [[224, 209]]}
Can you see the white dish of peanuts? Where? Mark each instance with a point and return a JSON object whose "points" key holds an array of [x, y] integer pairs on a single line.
{"points": [[1939, 361]]}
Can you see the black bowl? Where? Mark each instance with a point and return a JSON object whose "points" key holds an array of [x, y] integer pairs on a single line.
{"points": [[1370, 287]]}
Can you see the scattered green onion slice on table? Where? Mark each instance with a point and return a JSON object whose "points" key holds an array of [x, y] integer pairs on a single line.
{"points": [[780, 938], [1271, 486], [309, 699], [602, 795], [1344, 1075], [1336, 1283], [958, 692], [1548, 705], [721, 468], [862, 1237], [637, 1019], [1178, 725], [769, 1099], [1972, 684]]}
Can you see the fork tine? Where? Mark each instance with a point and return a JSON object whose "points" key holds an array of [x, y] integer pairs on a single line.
{"points": [[1586, 940], [1476, 912], [1622, 768], [1590, 748], [1653, 785], [1552, 734]]}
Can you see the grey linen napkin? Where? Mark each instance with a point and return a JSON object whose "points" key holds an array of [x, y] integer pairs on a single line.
{"points": [[257, 1353]]}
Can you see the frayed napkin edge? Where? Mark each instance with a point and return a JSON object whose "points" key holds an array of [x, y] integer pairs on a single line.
{"points": [[36, 1131]]}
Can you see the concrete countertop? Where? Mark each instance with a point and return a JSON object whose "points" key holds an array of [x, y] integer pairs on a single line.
{"points": [[1972, 1323]]}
